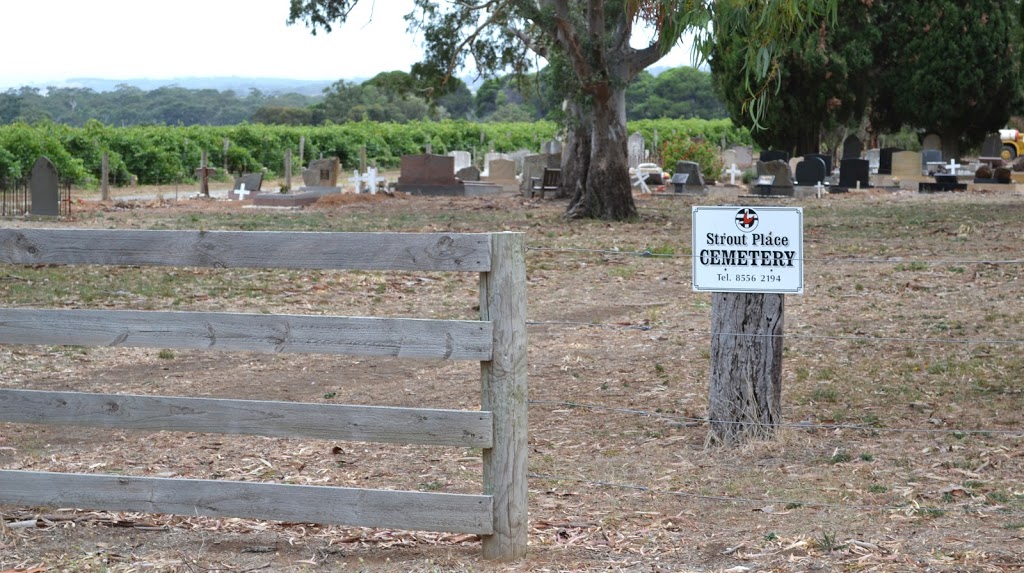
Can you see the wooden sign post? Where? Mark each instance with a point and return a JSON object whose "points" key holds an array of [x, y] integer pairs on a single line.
{"points": [[749, 258]]}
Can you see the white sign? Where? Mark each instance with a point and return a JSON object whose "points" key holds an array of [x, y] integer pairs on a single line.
{"points": [[748, 249]]}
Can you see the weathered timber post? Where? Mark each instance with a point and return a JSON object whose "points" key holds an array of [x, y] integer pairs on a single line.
{"points": [[746, 366], [288, 169], [105, 177], [504, 393]]}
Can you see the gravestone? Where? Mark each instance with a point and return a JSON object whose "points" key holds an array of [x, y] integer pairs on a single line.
{"points": [[533, 166], [44, 188], [635, 150], [462, 159], [773, 155], [874, 159], [322, 173], [694, 181], [906, 164], [491, 156], [782, 178], [503, 174], [931, 141], [728, 157], [551, 147], [854, 174], [885, 160], [428, 174], [991, 148], [825, 158], [744, 156], [931, 160], [250, 182], [810, 172], [852, 147], [518, 156], [468, 173]]}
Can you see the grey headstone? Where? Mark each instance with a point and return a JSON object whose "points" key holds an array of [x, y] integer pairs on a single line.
{"points": [[779, 169], [906, 164], [694, 179], [728, 157], [322, 172], [854, 173], [931, 141], [462, 159], [44, 188], [810, 172], [468, 173], [490, 156], [852, 147], [518, 156], [744, 156], [635, 150], [551, 147], [252, 181]]}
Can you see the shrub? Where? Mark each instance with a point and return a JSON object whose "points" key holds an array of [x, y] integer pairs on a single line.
{"points": [[687, 149]]}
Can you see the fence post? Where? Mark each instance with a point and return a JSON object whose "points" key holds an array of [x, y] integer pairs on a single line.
{"points": [[504, 393]]}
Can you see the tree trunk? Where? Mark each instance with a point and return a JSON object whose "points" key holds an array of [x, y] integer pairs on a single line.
{"points": [[746, 366], [575, 158], [606, 193]]}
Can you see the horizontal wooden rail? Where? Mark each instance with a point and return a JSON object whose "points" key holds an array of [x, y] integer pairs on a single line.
{"points": [[457, 513], [249, 249], [422, 426], [352, 336]]}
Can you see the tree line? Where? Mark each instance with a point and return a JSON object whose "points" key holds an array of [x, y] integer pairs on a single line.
{"points": [[395, 96]]}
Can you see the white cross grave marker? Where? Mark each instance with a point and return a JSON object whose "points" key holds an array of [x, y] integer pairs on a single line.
{"points": [[370, 178], [733, 172], [242, 192], [953, 166], [819, 190]]}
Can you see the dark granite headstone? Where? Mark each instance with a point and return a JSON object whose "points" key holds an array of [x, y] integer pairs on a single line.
{"points": [[428, 174], [852, 148], [693, 183], [931, 160], [854, 173], [470, 173], [885, 160], [825, 158], [773, 155], [992, 147], [810, 172], [44, 188], [252, 183]]}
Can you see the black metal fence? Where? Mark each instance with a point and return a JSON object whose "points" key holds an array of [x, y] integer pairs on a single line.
{"points": [[16, 199]]}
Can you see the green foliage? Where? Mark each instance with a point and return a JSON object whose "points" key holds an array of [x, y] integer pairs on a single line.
{"points": [[677, 93], [690, 149]]}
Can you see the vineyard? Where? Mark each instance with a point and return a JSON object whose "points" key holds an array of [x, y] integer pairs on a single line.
{"points": [[155, 155]]}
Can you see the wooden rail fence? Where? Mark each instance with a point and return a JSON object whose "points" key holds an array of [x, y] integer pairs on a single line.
{"points": [[497, 340]]}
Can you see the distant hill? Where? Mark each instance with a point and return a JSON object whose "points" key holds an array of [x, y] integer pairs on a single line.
{"points": [[240, 85]]}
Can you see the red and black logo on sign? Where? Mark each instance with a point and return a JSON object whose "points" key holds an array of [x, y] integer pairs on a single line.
{"points": [[746, 220]]}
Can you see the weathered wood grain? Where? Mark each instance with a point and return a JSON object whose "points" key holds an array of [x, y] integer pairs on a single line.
{"points": [[305, 504], [260, 418], [504, 392], [399, 337], [252, 249]]}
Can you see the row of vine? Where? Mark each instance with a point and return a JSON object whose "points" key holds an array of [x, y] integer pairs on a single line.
{"points": [[156, 155]]}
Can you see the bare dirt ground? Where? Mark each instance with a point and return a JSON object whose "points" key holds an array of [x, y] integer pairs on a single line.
{"points": [[903, 392]]}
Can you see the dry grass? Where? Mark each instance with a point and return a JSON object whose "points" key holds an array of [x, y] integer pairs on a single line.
{"points": [[904, 450]]}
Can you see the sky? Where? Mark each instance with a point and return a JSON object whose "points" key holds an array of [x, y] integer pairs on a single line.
{"points": [[46, 42]]}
